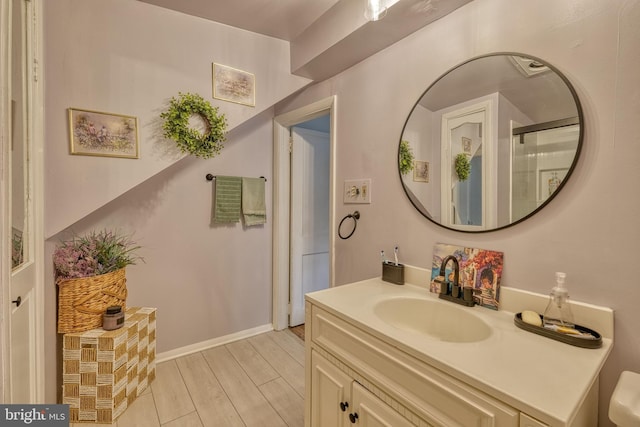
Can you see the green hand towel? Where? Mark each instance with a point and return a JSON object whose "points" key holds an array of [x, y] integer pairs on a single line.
{"points": [[253, 202], [227, 200]]}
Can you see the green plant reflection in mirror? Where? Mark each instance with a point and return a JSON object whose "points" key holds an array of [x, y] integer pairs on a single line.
{"points": [[405, 158], [530, 131]]}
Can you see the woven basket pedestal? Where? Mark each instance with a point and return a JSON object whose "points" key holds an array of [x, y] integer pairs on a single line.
{"points": [[83, 301], [105, 371]]}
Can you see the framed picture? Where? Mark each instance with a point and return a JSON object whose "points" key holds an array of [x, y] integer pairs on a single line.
{"points": [[420, 171], [94, 133], [466, 145], [549, 181], [230, 84]]}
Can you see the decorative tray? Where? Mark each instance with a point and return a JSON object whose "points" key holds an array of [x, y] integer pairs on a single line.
{"points": [[595, 341]]}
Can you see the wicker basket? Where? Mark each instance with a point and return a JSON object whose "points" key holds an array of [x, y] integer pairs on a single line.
{"points": [[83, 301]]}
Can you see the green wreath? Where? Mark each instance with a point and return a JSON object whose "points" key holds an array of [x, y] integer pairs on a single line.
{"points": [[463, 167], [189, 140], [406, 158]]}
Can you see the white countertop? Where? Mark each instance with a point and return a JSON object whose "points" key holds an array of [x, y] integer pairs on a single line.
{"points": [[532, 373]]}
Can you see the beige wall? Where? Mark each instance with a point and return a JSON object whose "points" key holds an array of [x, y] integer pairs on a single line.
{"points": [[590, 231], [129, 57], [207, 282]]}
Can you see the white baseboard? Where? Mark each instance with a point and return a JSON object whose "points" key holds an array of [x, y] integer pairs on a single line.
{"points": [[215, 342]]}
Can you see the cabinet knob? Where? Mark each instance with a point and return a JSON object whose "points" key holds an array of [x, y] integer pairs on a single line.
{"points": [[353, 417], [17, 301], [344, 406]]}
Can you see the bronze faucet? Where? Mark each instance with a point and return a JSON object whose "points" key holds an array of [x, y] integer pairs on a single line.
{"points": [[453, 291]]}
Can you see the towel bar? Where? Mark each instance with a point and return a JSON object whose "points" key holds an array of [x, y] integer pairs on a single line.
{"points": [[211, 177]]}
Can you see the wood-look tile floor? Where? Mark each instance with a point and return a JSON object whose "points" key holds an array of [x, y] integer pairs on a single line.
{"points": [[258, 381]]}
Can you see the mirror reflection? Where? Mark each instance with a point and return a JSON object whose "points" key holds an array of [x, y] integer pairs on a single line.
{"points": [[490, 143], [18, 141]]}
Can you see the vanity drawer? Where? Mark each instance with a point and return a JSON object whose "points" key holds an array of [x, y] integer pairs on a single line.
{"points": [[429, 393], [527, 421]]}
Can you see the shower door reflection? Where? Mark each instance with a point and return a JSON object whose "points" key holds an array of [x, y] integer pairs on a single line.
{"points": [[541, 158]]}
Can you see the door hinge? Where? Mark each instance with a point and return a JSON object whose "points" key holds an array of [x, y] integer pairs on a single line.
{"points": [[290, 144], [289, 309]]}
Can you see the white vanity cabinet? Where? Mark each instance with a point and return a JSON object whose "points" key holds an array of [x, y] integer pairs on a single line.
{"points": [[372, 412], [330, 393], [385, 386], [391, 375], [527, 421], [338, 400]]}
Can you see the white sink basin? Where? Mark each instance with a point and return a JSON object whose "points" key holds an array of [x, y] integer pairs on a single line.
{"points": [[439, 320]]}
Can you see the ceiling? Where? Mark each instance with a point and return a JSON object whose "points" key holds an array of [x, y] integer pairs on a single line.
{"points": [[325, 36], [542, 97], [283, 19]]}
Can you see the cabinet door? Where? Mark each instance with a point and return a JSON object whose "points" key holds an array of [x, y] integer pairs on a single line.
{"points": [[373, 412], [330, 388]]}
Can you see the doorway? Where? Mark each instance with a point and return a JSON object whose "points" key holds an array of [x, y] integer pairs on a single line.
{"points": [[309, 231], [468, 159], [288, 293]]}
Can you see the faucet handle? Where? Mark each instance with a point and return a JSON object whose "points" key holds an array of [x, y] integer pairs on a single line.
{"points": [[467, 293], [442, 284], [455, 290]]}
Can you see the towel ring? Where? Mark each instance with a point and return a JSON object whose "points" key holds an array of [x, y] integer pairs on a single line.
{"points": [[356, 217]]}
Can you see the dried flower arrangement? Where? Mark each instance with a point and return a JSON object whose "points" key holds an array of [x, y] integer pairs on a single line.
{"points": [[94, 254]]}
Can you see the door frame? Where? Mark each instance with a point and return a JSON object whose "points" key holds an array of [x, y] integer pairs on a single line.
{"points": [[35, 116], [5, 212], [282, 200]]}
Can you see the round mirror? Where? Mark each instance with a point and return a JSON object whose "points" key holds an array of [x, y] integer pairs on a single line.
{"points": [[491, 142]]}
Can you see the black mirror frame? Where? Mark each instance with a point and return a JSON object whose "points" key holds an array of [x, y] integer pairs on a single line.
{"points": [[569, 172]]}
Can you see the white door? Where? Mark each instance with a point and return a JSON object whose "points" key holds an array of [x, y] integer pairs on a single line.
{"points": [[309, 217], [21, 216], [469, 204]]}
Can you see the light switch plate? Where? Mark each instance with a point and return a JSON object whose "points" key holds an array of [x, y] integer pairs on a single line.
{"points": [[357, 191]]}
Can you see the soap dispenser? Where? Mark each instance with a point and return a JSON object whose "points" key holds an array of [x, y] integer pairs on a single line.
{"points": [[558, 311]]}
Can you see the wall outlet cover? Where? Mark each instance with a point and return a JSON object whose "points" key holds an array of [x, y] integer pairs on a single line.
{"points": [[357, 191]]}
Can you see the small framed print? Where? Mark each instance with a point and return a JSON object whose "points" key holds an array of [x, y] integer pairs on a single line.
{"points": [[466, 145], [421, 171], [233, 85], [549, 181], [94, 133]]}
